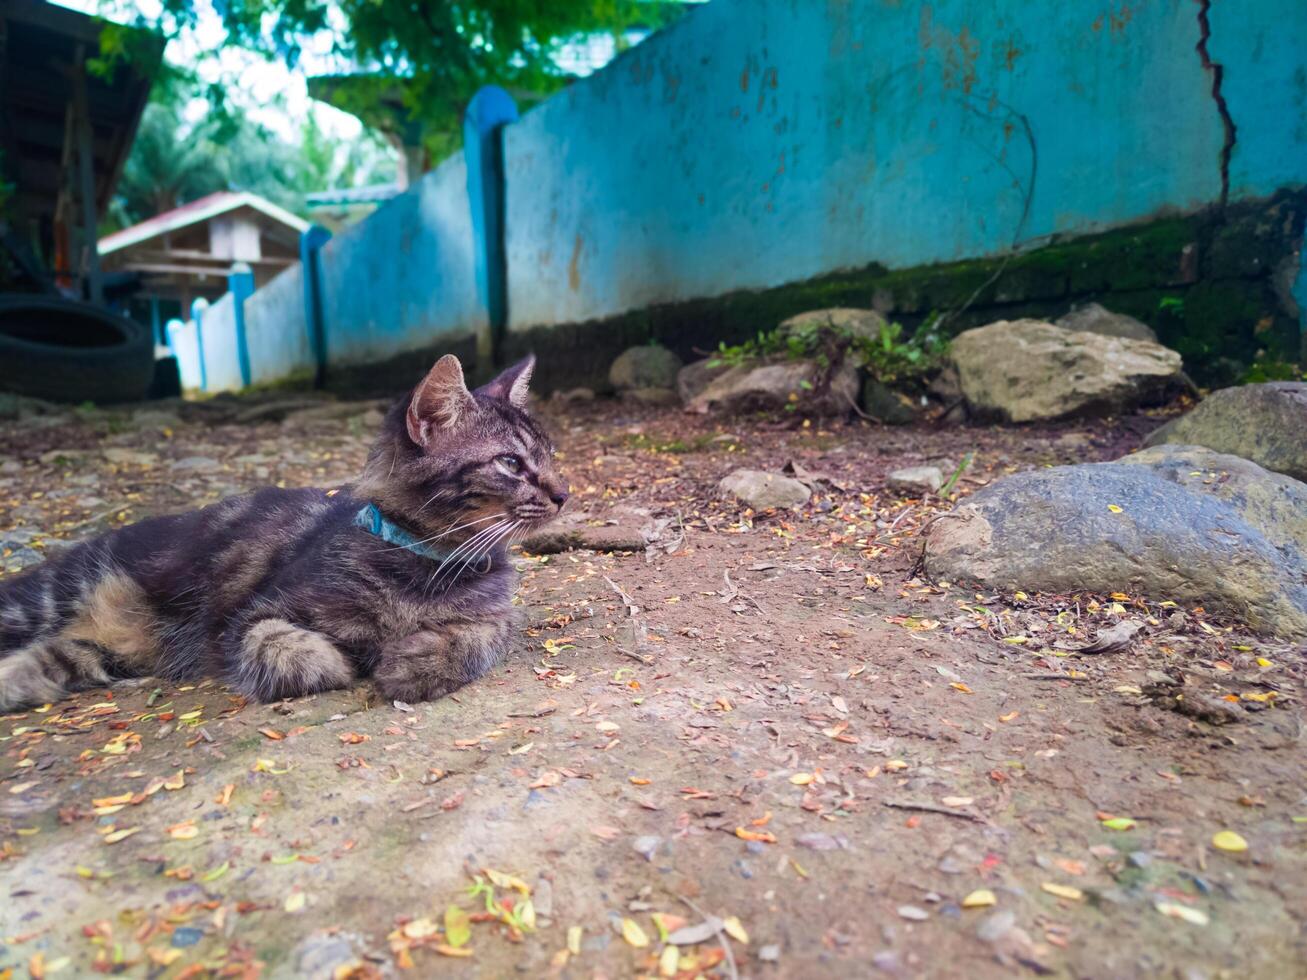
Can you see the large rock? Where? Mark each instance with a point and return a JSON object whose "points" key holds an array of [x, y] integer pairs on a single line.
{"points": [[1093, 318], [1140, 526], [1273, 503], [649, 366], [762, 490], [617, 528], [1266, 423], [774, 385], [844, 320], [692, 379], [1029, 370]]}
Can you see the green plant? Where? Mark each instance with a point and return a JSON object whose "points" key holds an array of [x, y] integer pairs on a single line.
{"points": [[1171, 304], [1267, 368], [888, 356]]}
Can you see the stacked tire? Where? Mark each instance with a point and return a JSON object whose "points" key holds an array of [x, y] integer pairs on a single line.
{"points": [[62, 350]]}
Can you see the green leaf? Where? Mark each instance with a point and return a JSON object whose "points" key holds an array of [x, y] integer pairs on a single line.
{"points": [[458, 927]]}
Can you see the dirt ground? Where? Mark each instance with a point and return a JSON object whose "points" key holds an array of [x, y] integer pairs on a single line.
{"points": [[766, 723]]}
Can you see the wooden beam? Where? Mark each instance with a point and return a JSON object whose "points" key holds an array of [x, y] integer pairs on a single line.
{"points": [[222, 271], [86, 181]]}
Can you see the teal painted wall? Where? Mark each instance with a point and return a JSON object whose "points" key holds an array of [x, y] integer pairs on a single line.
{"points": [[406, 275], [764, 142], [760, 142]]}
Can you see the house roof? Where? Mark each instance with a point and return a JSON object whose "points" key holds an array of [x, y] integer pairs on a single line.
{"points": [[195, 213]]}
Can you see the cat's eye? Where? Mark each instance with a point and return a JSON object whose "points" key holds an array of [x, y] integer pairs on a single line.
{"points": [[511, 463]]}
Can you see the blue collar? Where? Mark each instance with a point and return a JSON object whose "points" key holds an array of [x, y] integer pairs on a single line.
{"points": [[374, 522]]}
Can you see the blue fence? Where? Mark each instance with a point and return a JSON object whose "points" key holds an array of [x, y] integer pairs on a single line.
{"points": [[764, 142]]}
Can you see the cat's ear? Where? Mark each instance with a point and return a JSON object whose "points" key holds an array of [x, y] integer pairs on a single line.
{"points": [[439, 401], [511, 385]]}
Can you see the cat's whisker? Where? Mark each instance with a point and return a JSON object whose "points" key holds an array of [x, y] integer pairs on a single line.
{"points": [[444, 534], [477, 553], [484, 550], [470, 546]]}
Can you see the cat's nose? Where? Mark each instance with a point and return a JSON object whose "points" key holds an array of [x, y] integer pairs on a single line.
{"points": [[558, 496]]}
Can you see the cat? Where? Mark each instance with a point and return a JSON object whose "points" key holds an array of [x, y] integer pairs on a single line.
{"points": [[402, 576]]}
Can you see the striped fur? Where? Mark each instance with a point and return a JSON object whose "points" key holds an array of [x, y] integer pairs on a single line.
{"points": [[280, 594]]}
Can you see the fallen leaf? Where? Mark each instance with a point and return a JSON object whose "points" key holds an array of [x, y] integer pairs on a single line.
{"points": [[445, 950], [186, 830], [115, 836], [1176, 911], [1228, 840], [734, 929], [458, 927], [755, 835], [669, 961], [979, 899], [1063, 891], [295, 901], [217, 872], [633, 934], [1120, 823]]}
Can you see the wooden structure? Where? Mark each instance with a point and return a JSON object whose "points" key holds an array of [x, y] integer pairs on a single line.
{"points": [[64, 134], [188, 253]]}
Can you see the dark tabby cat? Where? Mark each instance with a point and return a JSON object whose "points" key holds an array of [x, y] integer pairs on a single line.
{"points": [[402, 575]]}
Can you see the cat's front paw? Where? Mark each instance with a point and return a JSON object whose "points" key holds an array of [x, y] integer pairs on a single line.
{"points": [[410, 682]]}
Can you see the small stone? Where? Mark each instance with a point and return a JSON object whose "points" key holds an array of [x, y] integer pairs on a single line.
{"points": [[913, 913], [129, 457], [543, 897], [196, 464], [916, 480], [762, 491], [184, 936], [887, 961], [1139, 859], [770, 953], [994, 927], [647, 846]]}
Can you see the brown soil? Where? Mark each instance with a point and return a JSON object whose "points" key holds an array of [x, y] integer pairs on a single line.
{"points": [[892, 745]]}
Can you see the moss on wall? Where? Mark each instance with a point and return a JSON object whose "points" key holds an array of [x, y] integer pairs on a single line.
{"points": [[1205, 282]]}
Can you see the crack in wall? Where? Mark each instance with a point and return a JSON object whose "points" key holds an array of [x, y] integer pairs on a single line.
{"points": [[1218, 75]]}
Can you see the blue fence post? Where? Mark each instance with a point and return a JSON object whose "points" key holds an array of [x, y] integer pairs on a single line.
{"points": [[315, 319], [490, 110], [197, 314], [241, 283]]}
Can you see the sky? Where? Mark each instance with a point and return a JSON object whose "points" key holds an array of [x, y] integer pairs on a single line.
{"points": [[268, 91]]}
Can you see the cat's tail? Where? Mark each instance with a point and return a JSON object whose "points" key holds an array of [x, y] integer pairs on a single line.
{"points": [[71, 623]]}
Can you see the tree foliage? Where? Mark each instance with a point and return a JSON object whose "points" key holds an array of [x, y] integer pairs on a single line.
{"points": [[436, 52], [173, 162]]}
